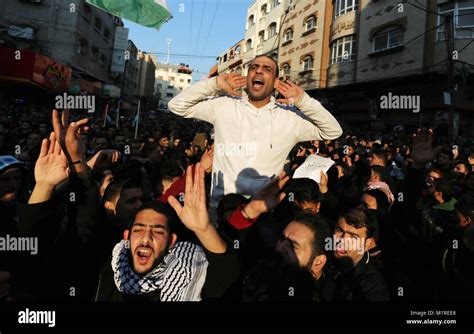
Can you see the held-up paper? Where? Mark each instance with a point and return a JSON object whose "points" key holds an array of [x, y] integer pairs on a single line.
{"points": [[312, 167]]}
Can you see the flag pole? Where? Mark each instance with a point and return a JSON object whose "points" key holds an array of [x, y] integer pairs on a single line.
{"points": [[118, 115], [137, 120], [106, 112]]}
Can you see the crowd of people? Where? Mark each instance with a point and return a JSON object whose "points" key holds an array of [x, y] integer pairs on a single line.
{"points": [[167, 216]]}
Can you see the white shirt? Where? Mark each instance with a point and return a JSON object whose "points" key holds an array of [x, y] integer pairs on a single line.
{"points": [[251, 144]]}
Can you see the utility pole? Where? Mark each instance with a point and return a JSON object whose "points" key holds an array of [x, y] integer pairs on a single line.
{"points": [[449, 37]]}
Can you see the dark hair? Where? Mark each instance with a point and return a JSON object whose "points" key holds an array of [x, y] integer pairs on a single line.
{"points": [[320, 229], [149, 147], [381, 154], [115, 188], [161, 208], [358, 218], [304, 190], [170, 169], [277, 71], [444, 186], [381, 172]]}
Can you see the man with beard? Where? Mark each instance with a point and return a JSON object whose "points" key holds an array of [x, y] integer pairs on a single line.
{"points": [[357, 278], [150, 264], [253, 133]]}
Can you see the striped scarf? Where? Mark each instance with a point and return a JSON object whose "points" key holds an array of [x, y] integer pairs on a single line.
{"points": [[180, 276]]}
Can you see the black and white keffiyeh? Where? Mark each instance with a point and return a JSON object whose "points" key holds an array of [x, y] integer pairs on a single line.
{"points": [[180, 276]]}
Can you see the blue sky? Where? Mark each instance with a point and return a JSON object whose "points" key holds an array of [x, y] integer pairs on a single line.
{"points": [[190, 36]]}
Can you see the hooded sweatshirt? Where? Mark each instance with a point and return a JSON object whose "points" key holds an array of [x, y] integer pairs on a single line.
{"points": [[251, 144]]}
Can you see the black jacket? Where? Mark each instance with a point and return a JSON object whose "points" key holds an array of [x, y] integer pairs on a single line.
{"points": [[363, 282]]}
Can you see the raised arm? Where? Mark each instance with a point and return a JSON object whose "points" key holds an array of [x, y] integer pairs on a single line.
{"points": [[194, 213], [194, 101], [319, 123]]}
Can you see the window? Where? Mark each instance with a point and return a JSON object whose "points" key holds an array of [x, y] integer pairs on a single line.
{"points": [[237, 52], [106, 34], [250, 21], [272, 30], [275, 3], [103, 60], [387, 38], [95, 53], [263, 10], [160, 77], [82, 48], [98, 25], [181, 80], [169, 94], [310, 23], [248, 45], [261, 37], [308, 63], [286, 68], [189, 80], [343, 49], [288, 35], [170, 87], [463, 19], [225, 58], [342, 7]]}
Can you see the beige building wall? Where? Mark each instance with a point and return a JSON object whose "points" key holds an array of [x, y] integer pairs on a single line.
{"points": [[261, 23], [305, 43], [231, 60]]}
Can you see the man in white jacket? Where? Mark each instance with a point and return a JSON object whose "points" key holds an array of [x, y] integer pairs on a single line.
{"points": [[253, 133]]}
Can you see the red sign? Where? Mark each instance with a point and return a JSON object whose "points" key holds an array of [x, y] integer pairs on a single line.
{"points": [[24, 65]]}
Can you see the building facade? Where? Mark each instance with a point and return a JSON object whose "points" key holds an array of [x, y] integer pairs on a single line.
{"points": [[231, 60], [171, 80], [262, 28]]}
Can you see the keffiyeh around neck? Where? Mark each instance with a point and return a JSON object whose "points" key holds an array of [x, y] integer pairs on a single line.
{"points": [[180, 276]]}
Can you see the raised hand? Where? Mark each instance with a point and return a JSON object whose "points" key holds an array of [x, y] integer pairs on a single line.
{"points": [[291, 92], [103, 159], [68, 135], [51, 166], [231, 82], [50, 170], [267, 198], [206, 159], [323, 183], [194, 212], [422, 151]]}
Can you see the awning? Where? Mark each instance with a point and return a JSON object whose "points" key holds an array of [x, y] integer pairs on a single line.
{"points": [[33, 67], [213, 72]]}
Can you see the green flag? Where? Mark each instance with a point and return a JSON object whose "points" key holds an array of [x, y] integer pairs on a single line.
{"points": [[149, 13]]}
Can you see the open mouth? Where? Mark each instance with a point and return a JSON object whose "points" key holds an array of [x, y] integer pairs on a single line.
{"points": [[143, 255], [258, 83]]}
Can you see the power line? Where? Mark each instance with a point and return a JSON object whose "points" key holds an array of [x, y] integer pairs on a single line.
{"points": [[200, 26], [210, 27]]}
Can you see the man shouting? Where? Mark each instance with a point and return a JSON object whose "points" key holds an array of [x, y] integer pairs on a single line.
{"points": [[253, 133]]}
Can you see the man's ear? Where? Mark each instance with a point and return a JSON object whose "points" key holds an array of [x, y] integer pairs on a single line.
{"points": [[110, 207], [126, 234], [318, 207], [370, 243], [318, 265], [174, 237]]}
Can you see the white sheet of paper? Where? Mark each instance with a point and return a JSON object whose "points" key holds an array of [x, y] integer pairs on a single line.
{"points": [[312, 167]]}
